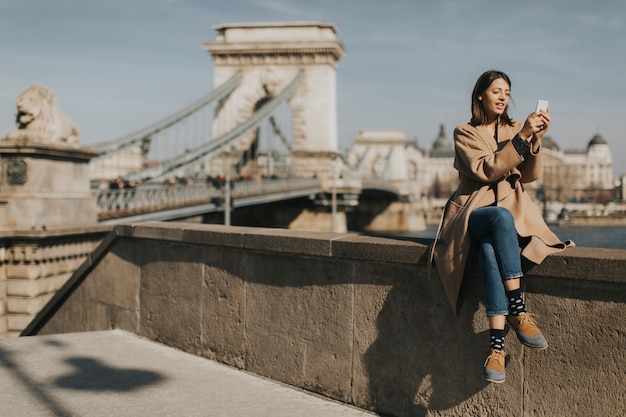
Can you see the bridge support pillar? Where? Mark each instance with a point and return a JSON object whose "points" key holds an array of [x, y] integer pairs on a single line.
{"points": [[320, 220], [270, 56], [398, 217]]}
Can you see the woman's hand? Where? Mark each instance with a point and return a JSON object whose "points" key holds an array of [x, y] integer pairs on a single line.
{"points": [[535, 127], [543, 128], [535, 123]]}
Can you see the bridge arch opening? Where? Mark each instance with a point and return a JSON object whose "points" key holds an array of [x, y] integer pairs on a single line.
{"points": [[267, 152], [275, 143]]}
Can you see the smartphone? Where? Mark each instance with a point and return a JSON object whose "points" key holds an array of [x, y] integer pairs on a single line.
{"points": [[542, 105]]}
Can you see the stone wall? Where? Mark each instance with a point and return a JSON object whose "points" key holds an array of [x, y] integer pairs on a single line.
{"points": [[354, 318], [34, 265], [44, 186]]}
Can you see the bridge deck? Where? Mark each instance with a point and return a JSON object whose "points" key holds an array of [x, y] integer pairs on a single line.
{"points": [[113, 373]]}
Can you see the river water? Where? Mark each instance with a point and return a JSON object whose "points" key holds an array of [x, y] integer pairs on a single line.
{"points": [[611, 237]]}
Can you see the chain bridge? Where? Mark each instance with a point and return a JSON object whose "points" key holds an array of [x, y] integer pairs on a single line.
{"points": [[266, 133]]}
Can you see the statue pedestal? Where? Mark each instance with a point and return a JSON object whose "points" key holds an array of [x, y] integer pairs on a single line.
{"points": [[44, 185]]}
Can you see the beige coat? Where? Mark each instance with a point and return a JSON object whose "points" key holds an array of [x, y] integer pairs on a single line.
{"points": [[490, 173]]}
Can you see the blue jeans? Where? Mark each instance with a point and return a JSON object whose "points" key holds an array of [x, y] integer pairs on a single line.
{"points": [[492, 231]]}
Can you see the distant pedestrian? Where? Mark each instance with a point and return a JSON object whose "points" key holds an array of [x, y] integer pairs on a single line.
{"points": [[491, 214]]}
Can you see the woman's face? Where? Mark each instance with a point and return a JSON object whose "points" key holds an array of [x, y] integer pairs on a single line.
{"points": [[495, 98]]}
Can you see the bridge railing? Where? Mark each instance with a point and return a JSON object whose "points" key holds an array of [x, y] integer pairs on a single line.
{"points": [[128, 201], [152, 197], [253, 188]]}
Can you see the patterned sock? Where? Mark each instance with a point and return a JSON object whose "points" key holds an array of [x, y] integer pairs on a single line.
{"points": [[516, 302], [497, 339]]}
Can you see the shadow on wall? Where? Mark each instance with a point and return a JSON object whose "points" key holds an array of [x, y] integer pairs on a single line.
{"points": [[424, 358]]}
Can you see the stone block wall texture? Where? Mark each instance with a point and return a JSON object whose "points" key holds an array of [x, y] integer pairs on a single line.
{"points": [[34, 265], [354, 318], [52, 191]]}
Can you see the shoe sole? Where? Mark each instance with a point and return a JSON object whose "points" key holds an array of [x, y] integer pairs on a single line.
{"points": [[533, 347], [495, 381], [537, 348]]}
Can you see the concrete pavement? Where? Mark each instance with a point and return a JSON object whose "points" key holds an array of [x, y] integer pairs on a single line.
{"points": [[114, 373]]}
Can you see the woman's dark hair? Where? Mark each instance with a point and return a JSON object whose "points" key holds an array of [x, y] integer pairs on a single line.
{"points": [[478, 112]]}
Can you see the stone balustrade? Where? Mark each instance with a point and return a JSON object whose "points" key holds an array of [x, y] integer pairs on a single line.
{"points": [[354, 318], [34, 265]]}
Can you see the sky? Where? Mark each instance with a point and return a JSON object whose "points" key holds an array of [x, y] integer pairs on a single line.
{"points": [[116, 66]]}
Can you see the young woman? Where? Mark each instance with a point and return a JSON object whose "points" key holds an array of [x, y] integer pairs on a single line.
{"points": [[491, 213]]}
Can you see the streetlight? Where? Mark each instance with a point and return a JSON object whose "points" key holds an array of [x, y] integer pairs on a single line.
{"points": [[227, 189], [335, 176]]}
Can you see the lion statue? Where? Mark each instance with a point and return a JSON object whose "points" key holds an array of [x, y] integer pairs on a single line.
{"points": [[39, 118]]}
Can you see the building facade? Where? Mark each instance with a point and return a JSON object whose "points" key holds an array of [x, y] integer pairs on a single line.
{"points": [[575, 175], [428, 175]]}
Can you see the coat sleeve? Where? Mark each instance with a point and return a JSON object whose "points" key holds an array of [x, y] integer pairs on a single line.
{"points": [[532, 167], [480, 160]]}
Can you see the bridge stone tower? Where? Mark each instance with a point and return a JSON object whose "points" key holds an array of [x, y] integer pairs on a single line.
{"points": [[269, 56]]}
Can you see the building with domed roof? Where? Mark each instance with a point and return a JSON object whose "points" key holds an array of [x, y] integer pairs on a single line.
{"points": [[441, 179], [426, 176], [442, 146], [577, 174], [548, 143]]}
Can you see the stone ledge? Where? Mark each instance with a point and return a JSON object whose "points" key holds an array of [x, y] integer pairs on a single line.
{"points": [[159, 231], [23, 146], [378, 249], [57, 231], [289, 241], [214, 236], [593, 264], [341, 245]]}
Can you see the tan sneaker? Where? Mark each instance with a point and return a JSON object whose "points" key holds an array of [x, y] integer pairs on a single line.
{"points": [[527, 331], [494, 366]]}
